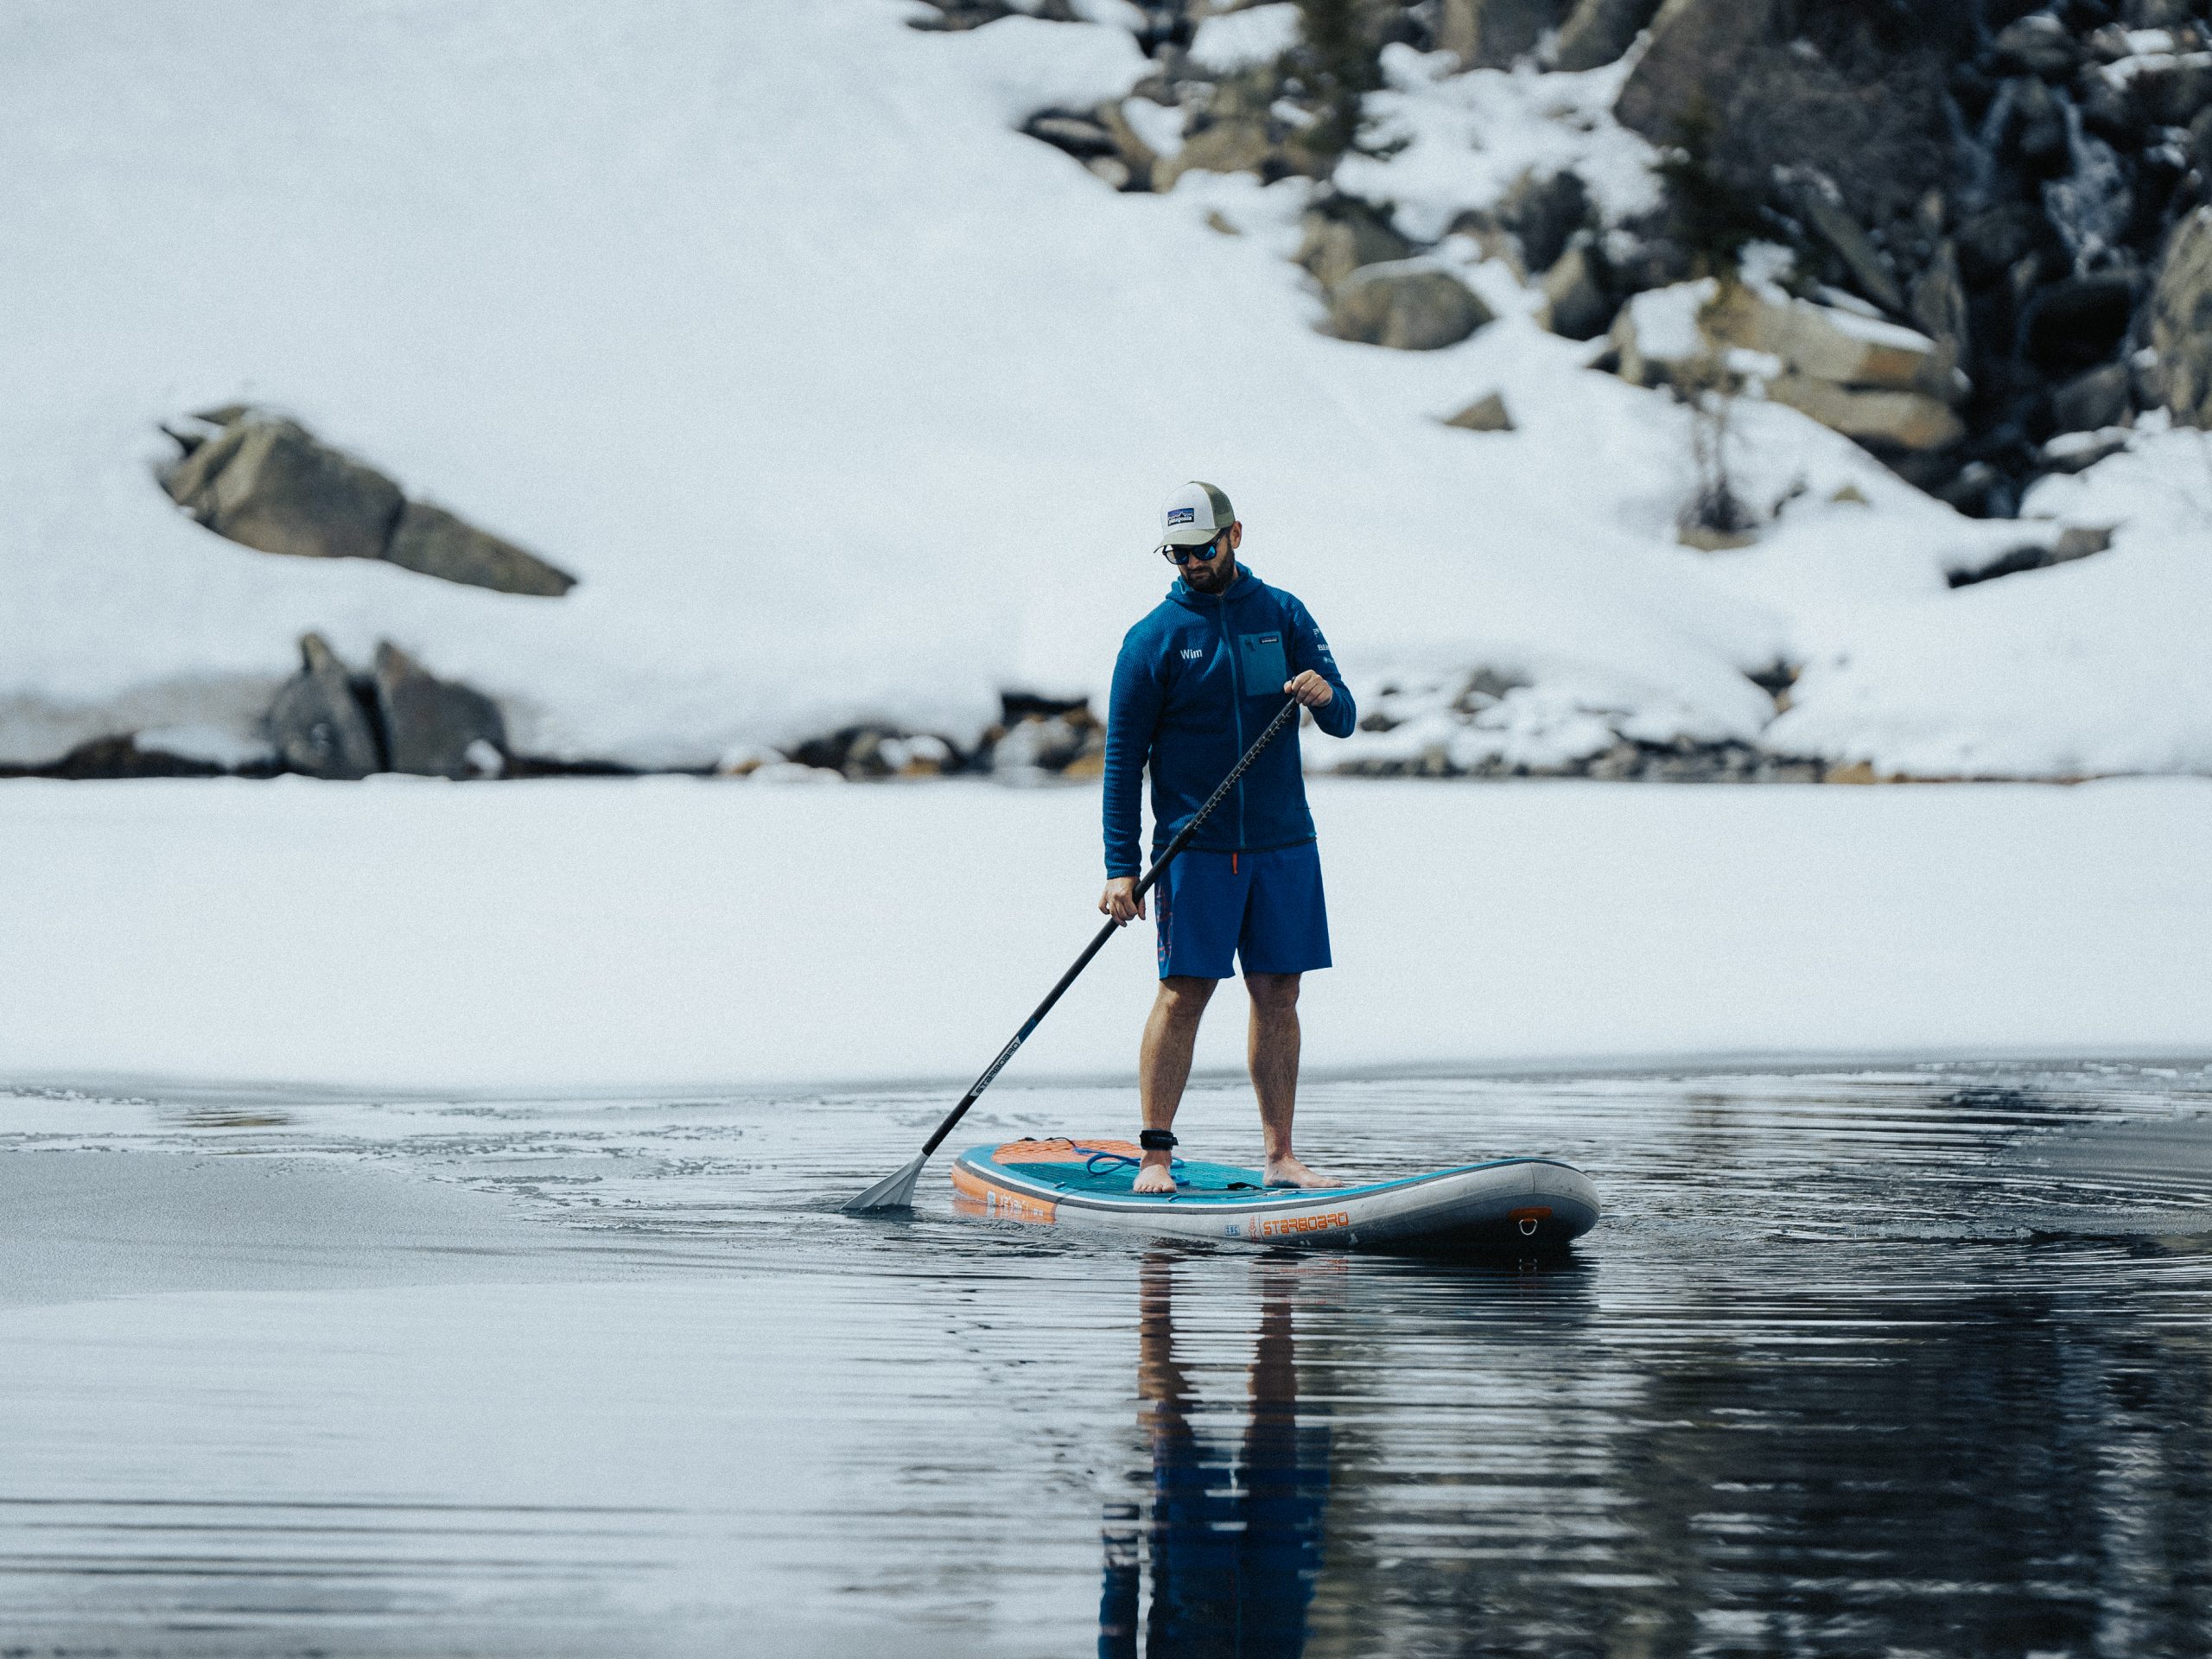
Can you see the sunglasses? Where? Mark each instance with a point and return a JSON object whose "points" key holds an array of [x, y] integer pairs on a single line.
{"points": [[1202, 552]]}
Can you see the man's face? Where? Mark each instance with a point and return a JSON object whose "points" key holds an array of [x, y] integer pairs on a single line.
{"points": [[1215, 572]]}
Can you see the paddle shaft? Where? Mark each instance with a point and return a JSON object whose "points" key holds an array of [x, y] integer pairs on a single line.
{"points": [[1182, 838]]}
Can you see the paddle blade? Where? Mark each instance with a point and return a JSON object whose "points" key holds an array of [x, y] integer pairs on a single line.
{"points": [[893, 1193]]}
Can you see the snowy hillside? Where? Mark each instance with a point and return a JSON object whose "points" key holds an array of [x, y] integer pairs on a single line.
{"points": [[847, 401]]}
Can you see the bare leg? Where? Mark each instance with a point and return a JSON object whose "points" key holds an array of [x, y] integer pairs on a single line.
{"points": [[1273, 1051], [1164, 1066]]}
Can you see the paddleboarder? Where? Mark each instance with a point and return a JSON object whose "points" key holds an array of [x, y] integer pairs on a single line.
{"points": [[1195, 681]]}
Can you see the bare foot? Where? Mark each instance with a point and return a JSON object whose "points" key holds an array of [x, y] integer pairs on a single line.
{"points": [[1290, 1172], [1153, 1177]]}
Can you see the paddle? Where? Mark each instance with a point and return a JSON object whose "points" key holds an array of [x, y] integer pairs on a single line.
{"points": [[896, 1192]]}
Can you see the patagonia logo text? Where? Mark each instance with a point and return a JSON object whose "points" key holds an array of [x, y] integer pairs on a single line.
{"points": [[1182, 515]]}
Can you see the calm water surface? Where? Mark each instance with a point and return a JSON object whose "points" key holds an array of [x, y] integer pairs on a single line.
{"points": [[1900, 1362]]}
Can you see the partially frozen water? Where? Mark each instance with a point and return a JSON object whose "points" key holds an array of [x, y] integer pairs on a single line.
{"points": [[1914, 1361]]}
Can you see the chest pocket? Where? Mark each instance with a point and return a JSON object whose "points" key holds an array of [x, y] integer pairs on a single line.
{"points": [[1262, 665]]}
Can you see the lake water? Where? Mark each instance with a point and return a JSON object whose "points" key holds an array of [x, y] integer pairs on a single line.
{"points": [[1907, 1361]]}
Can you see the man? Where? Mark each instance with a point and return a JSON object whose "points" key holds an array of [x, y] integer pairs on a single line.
{"points": [[1196, 682]]}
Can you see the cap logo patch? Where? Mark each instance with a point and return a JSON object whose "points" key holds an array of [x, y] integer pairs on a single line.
{"points": [[1182, 515]]}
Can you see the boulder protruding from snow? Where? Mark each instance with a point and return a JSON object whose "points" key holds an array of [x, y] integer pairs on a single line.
{"points": [[317, 724], [1487, 413], [440, 543], [1874, 381], [435, 728], [269, 483], [1406, 308], [1344, 234], [2181, 320]]}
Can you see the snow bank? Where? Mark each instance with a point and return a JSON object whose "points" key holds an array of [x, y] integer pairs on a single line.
{"points": [[847, 402], [675, 931]]}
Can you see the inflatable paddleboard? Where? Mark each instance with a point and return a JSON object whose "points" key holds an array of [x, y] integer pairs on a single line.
{"points": [[1524, 1204]]}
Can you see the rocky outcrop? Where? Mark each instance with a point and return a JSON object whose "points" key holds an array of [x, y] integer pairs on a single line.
{"points": [[318, 723], [269, 483], [435, 728], [2181, 320], [1406, 308]]}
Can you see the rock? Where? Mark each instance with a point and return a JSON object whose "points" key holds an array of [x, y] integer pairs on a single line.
{"points": [[2078, 322], [2075, 542], [1708, 540], [1486, 414], [2096, 400], [2200, 144], [2078, 542], [2037, 127], [1139, 157], [1544, 212], [1835, 225], [1495, 33], [1240, 144], [1939, 302], [1343, 234], [1079, 136], [1695, 51], [1577, 303], [1406, 308], [1828, 343], [1993, 241], [2037, 45], [2108, 110], [1599, 32], [2160, 14], [431, 725], [2076, 452], [271, 485], [437, 543], [1903, 420], [2181, 320], [2170, 91], [316, 723]]}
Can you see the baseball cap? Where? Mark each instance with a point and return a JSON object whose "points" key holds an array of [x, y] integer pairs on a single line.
{"points": [[1194, 515]]}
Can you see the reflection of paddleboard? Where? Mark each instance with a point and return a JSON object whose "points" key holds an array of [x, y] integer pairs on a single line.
{"points": [[1525, 1203]]}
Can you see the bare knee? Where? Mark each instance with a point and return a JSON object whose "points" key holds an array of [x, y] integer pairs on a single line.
{"points": [[1273, 994], [1183, 999]]}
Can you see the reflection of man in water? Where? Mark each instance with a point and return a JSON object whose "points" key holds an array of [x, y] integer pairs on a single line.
{"points": [[1235, 1542]]}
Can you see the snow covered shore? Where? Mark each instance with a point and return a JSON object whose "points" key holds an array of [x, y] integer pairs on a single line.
{"points": [[674, 933], [847, 402]]}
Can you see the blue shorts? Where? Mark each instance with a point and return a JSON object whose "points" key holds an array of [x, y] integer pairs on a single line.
{"points": [[1264, 908]]}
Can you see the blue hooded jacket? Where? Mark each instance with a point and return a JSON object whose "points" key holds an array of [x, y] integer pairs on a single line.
{"points": [[1196, 682]]}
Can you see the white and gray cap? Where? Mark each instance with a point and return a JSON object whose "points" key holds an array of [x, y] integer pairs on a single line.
{"points": [[1194, 515]]}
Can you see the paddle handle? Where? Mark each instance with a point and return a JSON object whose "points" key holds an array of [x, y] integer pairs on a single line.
{"points": [[1098, 944]]}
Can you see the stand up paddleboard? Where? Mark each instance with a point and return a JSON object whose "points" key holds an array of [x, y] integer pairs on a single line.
{"points": [[1524, 1204]]}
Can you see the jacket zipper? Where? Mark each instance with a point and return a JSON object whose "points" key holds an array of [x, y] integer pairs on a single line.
{"points": [[1235, 702]]}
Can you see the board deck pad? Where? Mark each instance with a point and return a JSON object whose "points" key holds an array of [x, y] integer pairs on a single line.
{"points": [[1089, 1180]]}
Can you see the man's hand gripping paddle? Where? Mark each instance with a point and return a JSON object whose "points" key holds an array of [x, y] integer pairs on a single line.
{"points": [[896, 1192]]}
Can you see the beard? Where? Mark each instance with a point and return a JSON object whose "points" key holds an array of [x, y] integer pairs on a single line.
{"points": [[1206, 579]]}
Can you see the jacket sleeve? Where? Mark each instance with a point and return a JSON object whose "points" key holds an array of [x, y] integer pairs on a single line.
{"points": [[1132, 716], [1309, 649]]}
